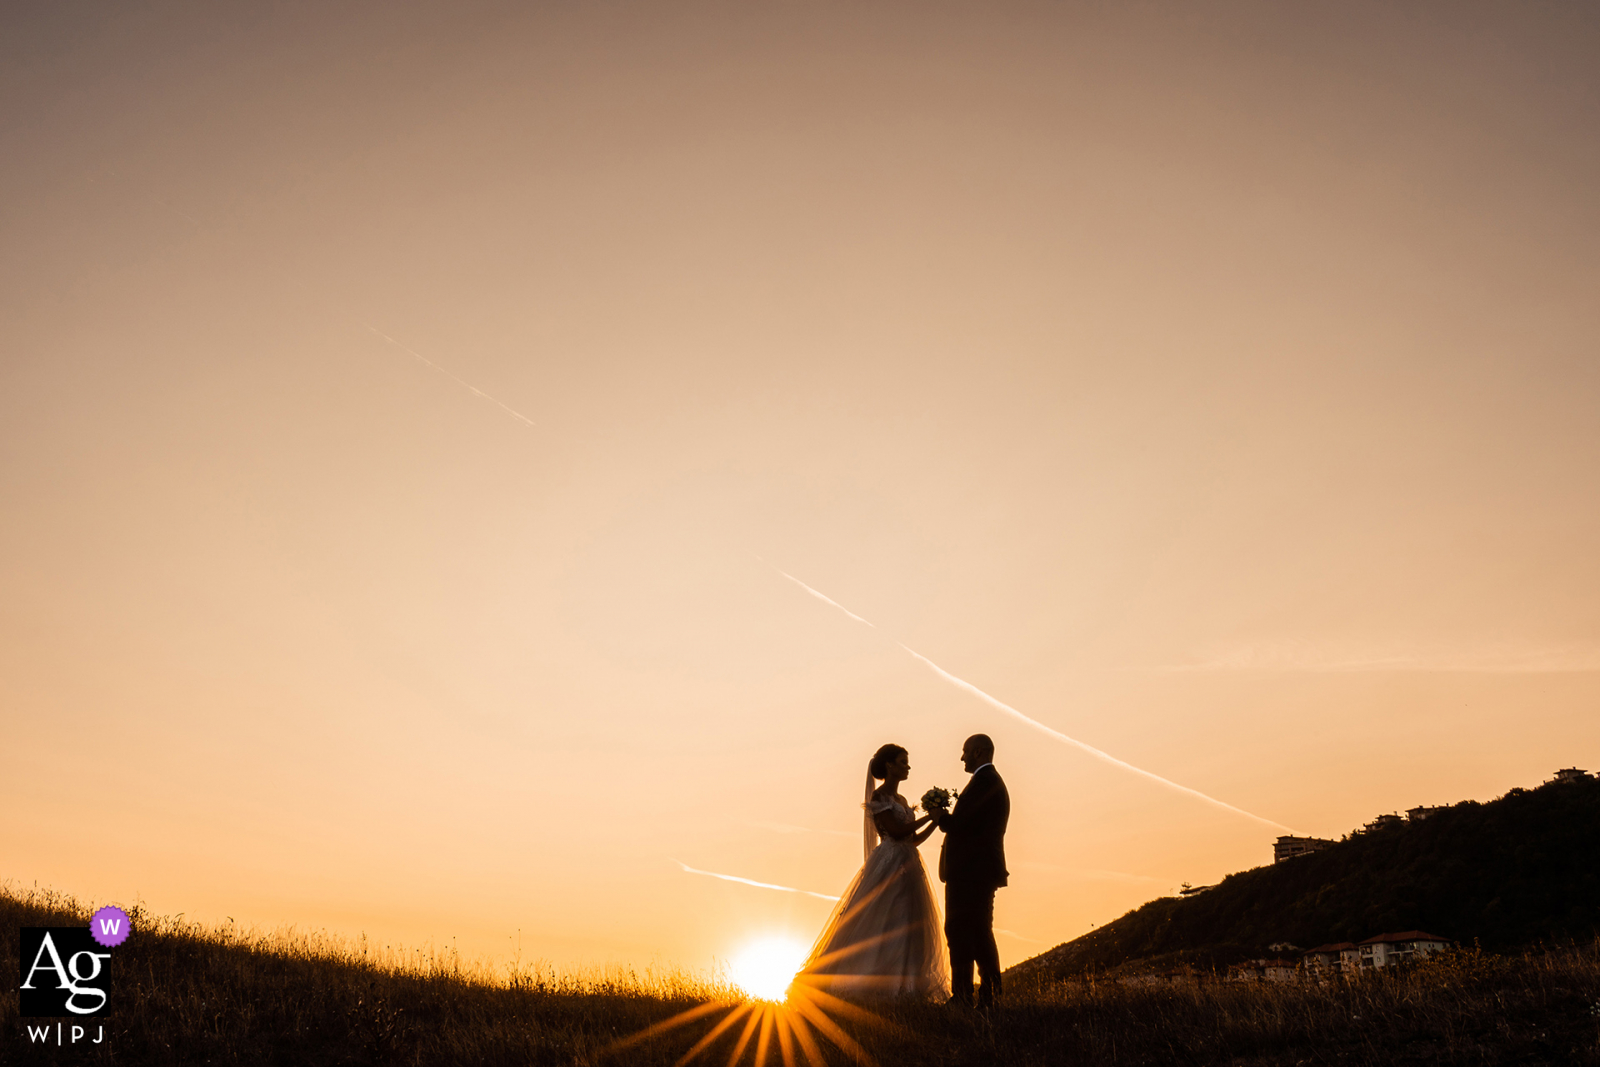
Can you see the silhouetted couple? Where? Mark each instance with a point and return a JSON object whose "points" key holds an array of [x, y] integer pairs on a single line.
{"points": [[882, 939]]}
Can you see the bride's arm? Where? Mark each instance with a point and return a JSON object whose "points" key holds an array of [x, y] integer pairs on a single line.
{"points": [[891, 825]]}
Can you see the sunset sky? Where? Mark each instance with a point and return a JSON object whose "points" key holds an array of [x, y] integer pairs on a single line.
{"points": [[408, 414]]}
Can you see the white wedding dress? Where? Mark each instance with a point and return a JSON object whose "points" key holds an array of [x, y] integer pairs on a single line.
{"points": [[885, 936]]}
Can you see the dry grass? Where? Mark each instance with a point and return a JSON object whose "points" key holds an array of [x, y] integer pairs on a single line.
{"points": [[186, 994], [1464, 1008]]}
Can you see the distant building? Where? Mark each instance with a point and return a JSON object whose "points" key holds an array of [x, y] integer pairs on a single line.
{"points": [[1286, 846], [1386, 950], [1279, 971], [1570, 774], [1384, 822], [1418, 814], [1262, 971], [1326, 959]]}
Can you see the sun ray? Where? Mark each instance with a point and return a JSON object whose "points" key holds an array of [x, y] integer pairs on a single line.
{"points": [[748, 1032], [764, 1042], [851, 912], [785, 1038], [808, 1043], [860, 946], [828, 1002], [832, 1031], [662, 1027], [715, 1032], [872, 894], [886, 984]]}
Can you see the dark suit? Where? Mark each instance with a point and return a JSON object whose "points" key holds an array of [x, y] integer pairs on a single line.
{"points": [[972, 865]]}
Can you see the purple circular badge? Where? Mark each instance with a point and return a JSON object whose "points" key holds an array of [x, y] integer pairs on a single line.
{"points": [[110, 926]]}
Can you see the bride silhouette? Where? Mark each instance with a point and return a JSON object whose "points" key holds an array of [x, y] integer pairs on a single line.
{"points": [[883, 938]]}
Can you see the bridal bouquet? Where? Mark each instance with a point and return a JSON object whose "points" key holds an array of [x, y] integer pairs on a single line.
{"points": [[937, 799]]}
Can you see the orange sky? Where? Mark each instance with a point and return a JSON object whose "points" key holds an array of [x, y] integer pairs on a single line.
{"points": [[1216, 385]]}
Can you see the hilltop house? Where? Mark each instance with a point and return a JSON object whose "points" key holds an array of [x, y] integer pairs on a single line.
{"points": [[1326, 958], [1286, 847], [1262, 971], [1386, 950]]}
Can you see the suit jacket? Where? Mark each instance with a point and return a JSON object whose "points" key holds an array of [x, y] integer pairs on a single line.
{"points": [[974, 851]]}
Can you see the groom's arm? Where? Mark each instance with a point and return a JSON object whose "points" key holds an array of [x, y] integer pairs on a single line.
{"points": [[970, 807]]}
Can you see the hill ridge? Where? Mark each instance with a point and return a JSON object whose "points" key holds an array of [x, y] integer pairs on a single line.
{"points": [[1504, 874]]}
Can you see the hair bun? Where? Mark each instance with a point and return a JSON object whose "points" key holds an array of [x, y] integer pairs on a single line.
{"points": [[886, 754]]}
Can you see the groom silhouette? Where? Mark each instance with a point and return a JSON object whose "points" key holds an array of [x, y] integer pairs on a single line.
{"points": [[972, 865]]}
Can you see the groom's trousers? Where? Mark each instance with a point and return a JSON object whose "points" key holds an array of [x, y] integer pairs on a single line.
{"points": [[969, 929]]}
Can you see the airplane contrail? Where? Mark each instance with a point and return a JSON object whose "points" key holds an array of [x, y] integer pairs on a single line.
{"points": [[750, 881], [818, 595], [962, 683], [1073, 741], [513, 412]]}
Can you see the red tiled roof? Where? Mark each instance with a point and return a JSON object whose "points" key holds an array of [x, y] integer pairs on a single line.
{"points": [[1407, 935], [1330, 948]]}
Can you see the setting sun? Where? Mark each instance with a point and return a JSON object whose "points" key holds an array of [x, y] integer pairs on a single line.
{"points": [[764, 968]]}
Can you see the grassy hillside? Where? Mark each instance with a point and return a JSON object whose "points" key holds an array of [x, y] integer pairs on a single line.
{"points": [[190, 995], [1506, 874], [186, 994]]}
